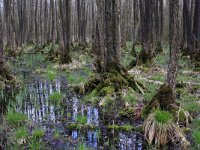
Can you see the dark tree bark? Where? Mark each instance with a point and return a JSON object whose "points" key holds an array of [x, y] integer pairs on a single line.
{"points": [[187, 27], [174, 43], [1, 42], [148, 47], [112, 29], [196, 35], [65, 13]]}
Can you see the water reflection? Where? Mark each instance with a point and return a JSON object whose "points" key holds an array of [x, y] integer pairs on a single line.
{"points": [[129, 141], [33, 100]]}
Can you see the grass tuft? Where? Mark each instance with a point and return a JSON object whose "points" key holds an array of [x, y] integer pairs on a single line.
{"points": [[162, 116]]}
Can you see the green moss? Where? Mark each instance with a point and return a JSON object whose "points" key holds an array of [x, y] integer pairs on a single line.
{"points": [[123, 128], [91, 97], [76, 78], [15, 118], [162, 116], [127, 128], [129, 113], [56, 135], [106, 91], [130, 97], [158, 77], [55, 98], [21, 133], [79, 126], [51, 75], [81, 119], [38, 133]]}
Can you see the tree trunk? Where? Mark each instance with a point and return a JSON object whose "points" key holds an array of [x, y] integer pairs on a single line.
{"points": [[174, 43], [1, 42], [112, 40], [65, 12]]}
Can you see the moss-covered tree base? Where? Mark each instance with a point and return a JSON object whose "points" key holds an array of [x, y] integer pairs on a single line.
{"points": [[164, 99], [144, 58], [113, 79], [107, 91]]}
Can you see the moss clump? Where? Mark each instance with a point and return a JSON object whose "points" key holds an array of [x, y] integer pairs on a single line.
{"points": [[144, 57], [130, 97], [106, 91], [78, 126], [123, 128], [162, 116], [81, 119], [127, 113], [51, 75], [92, 97]]}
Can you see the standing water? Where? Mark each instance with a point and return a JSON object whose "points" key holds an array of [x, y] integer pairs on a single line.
{"points": [[52, 106]]}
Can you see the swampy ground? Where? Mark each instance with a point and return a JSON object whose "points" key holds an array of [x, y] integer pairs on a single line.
{"points": [[44, 112]]}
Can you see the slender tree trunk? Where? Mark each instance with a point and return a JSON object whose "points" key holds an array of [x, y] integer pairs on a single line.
{"points": [[1, 42]]}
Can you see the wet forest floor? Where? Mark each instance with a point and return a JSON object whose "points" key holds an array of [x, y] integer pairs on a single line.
{"points": [[44, 111]]}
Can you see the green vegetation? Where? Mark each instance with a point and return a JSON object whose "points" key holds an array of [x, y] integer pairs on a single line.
{"points": [[37, 145], [75, 78], [21, 132], [38, 133], [55, 98], [130, 97], [81, 119], [15, 118], [196, 137], [51, 75], [192, 107], [162, 116]]}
